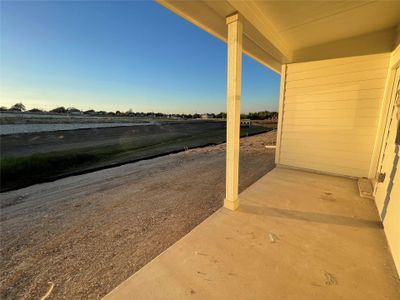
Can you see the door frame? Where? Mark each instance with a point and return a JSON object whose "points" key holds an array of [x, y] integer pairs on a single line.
{"points": [[383, 126]]}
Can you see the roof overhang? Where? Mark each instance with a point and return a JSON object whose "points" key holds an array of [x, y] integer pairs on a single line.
{"points": [[278, 32]]}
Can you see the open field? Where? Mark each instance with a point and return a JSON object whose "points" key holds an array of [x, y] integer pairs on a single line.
{"points": [[35, 128], [9, 118], [37, 157], [88, 233]]}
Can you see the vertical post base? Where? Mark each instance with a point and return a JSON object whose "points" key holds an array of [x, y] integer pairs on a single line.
{"points": [[232, 205]]}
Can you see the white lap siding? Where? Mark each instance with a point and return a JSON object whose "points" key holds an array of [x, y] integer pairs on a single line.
{"points": [[331, 110]]}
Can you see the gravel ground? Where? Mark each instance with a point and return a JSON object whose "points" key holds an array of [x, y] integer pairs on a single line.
{"points": [[88, 233]]}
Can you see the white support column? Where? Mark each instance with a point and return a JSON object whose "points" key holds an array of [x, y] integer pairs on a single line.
{"points": [[235, 31]]}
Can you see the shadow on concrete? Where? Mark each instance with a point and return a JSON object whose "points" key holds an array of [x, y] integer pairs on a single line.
{"points": [[310, 216]]}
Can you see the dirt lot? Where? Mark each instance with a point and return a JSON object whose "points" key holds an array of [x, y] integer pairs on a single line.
{"points": [[88, 233]]}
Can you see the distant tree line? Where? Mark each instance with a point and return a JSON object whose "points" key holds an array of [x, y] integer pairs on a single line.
{"points": [[15, 107], [261, 115], [19, 107]]}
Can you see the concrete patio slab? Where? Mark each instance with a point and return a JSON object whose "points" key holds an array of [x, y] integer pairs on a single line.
{"points": [[296, 235]]}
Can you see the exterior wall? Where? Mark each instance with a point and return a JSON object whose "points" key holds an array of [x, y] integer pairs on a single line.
{"points": [[391, 222], [387, 194], [329, 114]]}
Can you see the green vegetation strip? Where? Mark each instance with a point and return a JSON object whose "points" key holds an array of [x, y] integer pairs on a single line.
{"points": [[18, 172]]}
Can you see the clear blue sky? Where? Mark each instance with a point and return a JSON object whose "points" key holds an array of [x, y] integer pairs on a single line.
{"points": [[116, 56]]}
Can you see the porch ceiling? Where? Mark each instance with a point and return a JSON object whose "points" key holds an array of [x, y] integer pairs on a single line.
{"points": [[277, 32], [296, 235]]}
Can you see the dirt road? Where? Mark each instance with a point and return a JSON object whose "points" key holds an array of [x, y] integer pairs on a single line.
{"points": [[88, 233]]}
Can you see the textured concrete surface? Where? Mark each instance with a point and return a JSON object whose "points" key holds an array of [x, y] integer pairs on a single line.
{"points": [[296, 235]]}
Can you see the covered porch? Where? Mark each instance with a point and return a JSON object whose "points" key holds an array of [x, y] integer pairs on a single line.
{"points": [[296, 235]]}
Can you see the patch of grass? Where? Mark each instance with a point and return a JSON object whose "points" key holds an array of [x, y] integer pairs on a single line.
{"points": [[22, 171]]}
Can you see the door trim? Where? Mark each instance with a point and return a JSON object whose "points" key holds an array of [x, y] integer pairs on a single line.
{"points": [[381, 136]]}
